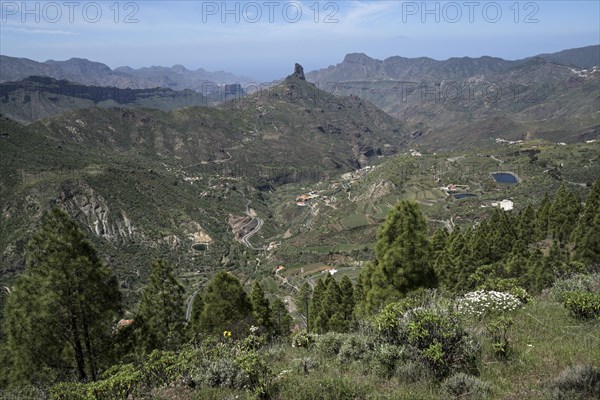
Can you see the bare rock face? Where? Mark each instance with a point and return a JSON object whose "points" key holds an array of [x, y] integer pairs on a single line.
{"points": [[89, 207], [298, 72]]}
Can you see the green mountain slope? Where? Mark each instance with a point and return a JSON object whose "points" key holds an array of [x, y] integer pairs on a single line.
{"points": [[466, 102], [35, 98], [148, 183]]}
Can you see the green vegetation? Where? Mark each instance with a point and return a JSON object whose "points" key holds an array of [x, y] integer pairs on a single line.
{"points": [[382, 285], [403, 258], [160, 317], [417, 343], [59, 316]]}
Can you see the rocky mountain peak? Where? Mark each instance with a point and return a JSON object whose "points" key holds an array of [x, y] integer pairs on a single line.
{"points": [[299, 72]]}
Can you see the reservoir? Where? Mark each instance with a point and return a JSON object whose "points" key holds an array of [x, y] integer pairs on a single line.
{"points": [[505, 177]]}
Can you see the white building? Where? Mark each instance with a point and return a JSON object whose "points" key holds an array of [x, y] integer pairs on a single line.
{"points": [[506, 205]]}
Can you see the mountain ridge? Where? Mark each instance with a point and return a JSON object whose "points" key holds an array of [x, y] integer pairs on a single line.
{"points": [[84, 71]]}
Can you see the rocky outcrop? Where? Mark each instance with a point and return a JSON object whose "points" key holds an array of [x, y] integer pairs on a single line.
{"points": [[90, 208], [196, 233], [298, 72]]}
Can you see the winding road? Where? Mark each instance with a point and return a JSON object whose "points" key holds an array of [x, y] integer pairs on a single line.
{"points": [[188, 310], [245, 239]]}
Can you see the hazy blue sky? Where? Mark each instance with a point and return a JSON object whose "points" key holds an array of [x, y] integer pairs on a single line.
{"points": [[263, 39]]}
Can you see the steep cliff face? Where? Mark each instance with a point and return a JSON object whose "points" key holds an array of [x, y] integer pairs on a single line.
{"points": [[89, 207]]}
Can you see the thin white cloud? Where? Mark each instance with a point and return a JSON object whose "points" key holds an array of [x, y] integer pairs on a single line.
{"points": [[40, 31]]}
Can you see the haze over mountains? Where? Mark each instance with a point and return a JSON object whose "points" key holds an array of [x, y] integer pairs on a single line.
{"points": [[95, 73], [461, 101], [453, 103]]}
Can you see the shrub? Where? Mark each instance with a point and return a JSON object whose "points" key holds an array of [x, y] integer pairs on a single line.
{"points": [[413, 371], [303, 339], [386, 321], [577, 283], [259, 377], [305, 364], [463, 386], [386, 358], [29, 392], [578, 382], [583, 305], [507, 285], [223, 372], [498, 331], [160, 368], [484, 303], [330, 343], [70, 391], [354, 348], [118, 383], [253, 342], [437, 339]]}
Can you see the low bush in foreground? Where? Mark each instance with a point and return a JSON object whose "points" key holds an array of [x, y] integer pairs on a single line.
{"points": [[582, 305], [578, 382], [463, 386]]}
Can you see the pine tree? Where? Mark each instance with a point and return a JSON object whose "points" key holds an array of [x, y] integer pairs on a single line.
{"points": [[197, 308], [62, 309], [588, 244], [502, 235], [303, 298], [564, 212], [452, 260], [347, 298], [516, 264], [526, 225], [261, 309], [332, 308], [539, 277], [554, 262], [226, 306], [403, 257], [542, 217], [439, 241], [359, 295], [161, 315], [282, 320], [318, 323], [586, 237]]}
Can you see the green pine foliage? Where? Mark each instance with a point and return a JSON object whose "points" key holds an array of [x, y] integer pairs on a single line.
{"points": [[226, 306], [403, 258], [586, 236], [282, 320], [348, 298], [197, 308], [564, 213], [60, 315], [318, 322], [303, 300], [261, 309], [161, 316]]}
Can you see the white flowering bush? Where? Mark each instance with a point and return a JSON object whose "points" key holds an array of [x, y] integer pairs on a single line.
{"points": [[487, 302]]}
